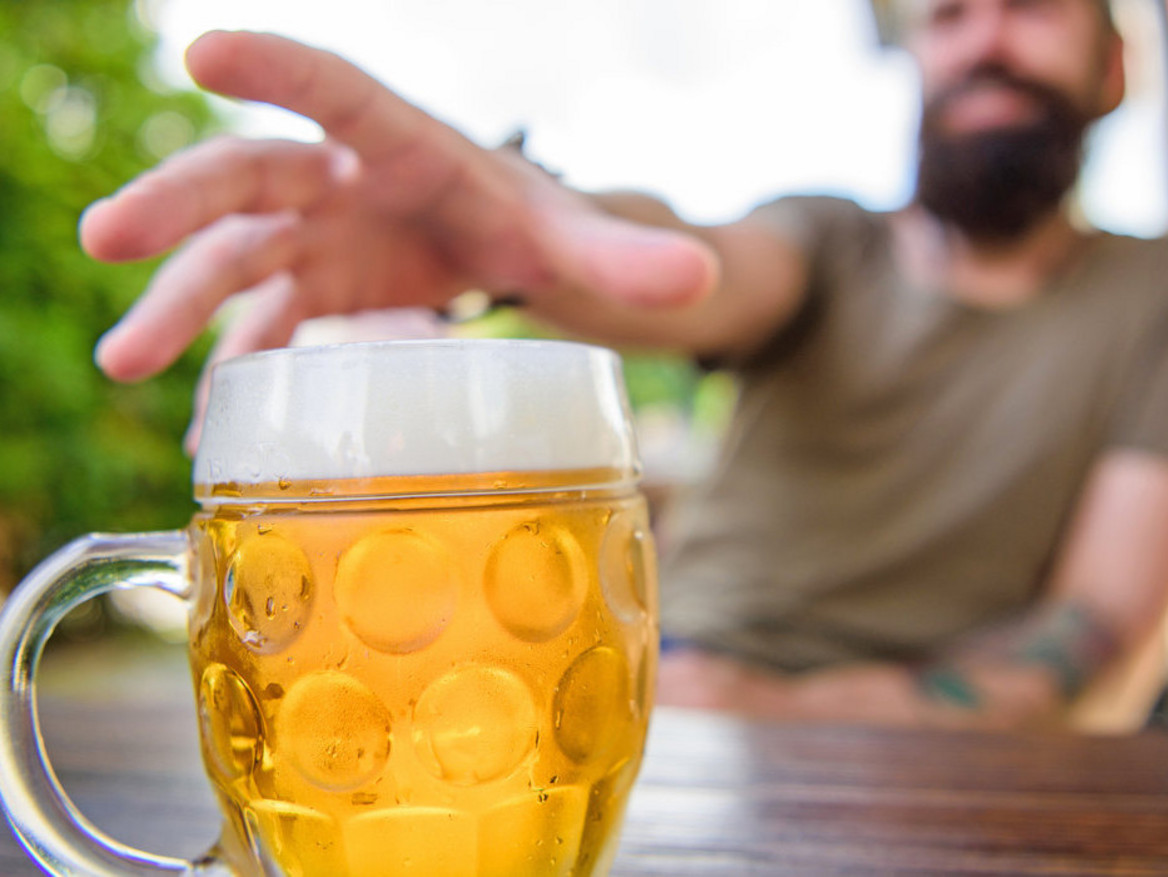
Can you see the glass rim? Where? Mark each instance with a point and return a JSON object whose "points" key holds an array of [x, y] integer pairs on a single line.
{"points": [[368, 410], [371, 346]]}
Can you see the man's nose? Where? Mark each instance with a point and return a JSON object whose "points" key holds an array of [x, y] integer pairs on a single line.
{"points": [[987, 38]]}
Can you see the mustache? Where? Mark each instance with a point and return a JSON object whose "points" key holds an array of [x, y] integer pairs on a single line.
{"points": [[1053, 102]]}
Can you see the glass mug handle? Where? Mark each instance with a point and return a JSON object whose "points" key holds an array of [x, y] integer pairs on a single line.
{"points": [[53, 831]]}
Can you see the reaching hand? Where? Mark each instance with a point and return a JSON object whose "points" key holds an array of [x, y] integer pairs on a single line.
{"points": [[392, 209]]}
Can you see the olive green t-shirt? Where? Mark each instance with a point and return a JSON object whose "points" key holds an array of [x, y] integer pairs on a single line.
{"points": [[902, 466]]}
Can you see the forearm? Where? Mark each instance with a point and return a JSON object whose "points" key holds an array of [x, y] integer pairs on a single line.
{"points": [[937, 696], [1025, 674], [1030, 672], [1022, 675]]}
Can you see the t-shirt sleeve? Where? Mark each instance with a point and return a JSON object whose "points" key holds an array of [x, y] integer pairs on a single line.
{"points": [[800, 219], [1142, 416]]}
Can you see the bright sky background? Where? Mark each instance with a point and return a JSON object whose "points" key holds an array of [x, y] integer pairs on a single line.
{"points": [[714, 104]]}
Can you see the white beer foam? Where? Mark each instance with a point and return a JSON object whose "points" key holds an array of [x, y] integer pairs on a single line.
{"points": [[414, 408]]}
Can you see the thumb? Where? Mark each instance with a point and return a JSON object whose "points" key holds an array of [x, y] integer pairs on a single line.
{"points": [[629, 262]]}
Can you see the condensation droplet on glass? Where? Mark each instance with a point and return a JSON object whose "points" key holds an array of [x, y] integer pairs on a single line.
{"points": [[254, 638]]}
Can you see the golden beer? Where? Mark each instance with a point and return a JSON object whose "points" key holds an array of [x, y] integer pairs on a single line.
{"points": [[422, 602], [435, 676]]}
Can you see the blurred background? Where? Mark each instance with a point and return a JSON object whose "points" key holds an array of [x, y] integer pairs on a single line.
{"points": [[714, 106]]}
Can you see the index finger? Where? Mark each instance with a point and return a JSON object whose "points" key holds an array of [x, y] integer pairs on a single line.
{"points": [[347, 102]]}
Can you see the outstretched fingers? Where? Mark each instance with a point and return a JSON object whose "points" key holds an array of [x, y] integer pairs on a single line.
{"points": [[348, 103], [235, 254], [193, 189]]}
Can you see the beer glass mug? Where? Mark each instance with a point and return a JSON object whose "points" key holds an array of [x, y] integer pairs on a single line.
{"points": [[422, 604]]}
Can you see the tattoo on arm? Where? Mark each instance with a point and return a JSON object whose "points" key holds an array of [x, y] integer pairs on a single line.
{"points": [[1069, 641], [946, 683]]}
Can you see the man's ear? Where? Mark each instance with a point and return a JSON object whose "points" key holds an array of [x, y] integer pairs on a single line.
{"points": [[1114, 75]]}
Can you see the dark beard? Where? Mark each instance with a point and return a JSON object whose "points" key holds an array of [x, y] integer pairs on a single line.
{"points": [[996, 184]]}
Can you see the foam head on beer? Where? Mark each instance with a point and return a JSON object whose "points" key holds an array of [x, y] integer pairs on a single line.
{"points": [[405, 408]]}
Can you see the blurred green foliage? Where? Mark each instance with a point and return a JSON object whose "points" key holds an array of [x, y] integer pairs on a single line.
{"points": [[78, 453]]}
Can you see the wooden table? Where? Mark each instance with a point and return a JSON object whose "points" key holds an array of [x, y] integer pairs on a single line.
{"points": [[717, 796]]}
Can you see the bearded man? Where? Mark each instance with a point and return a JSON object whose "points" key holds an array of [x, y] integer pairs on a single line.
{"points": [[945, 493]]}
